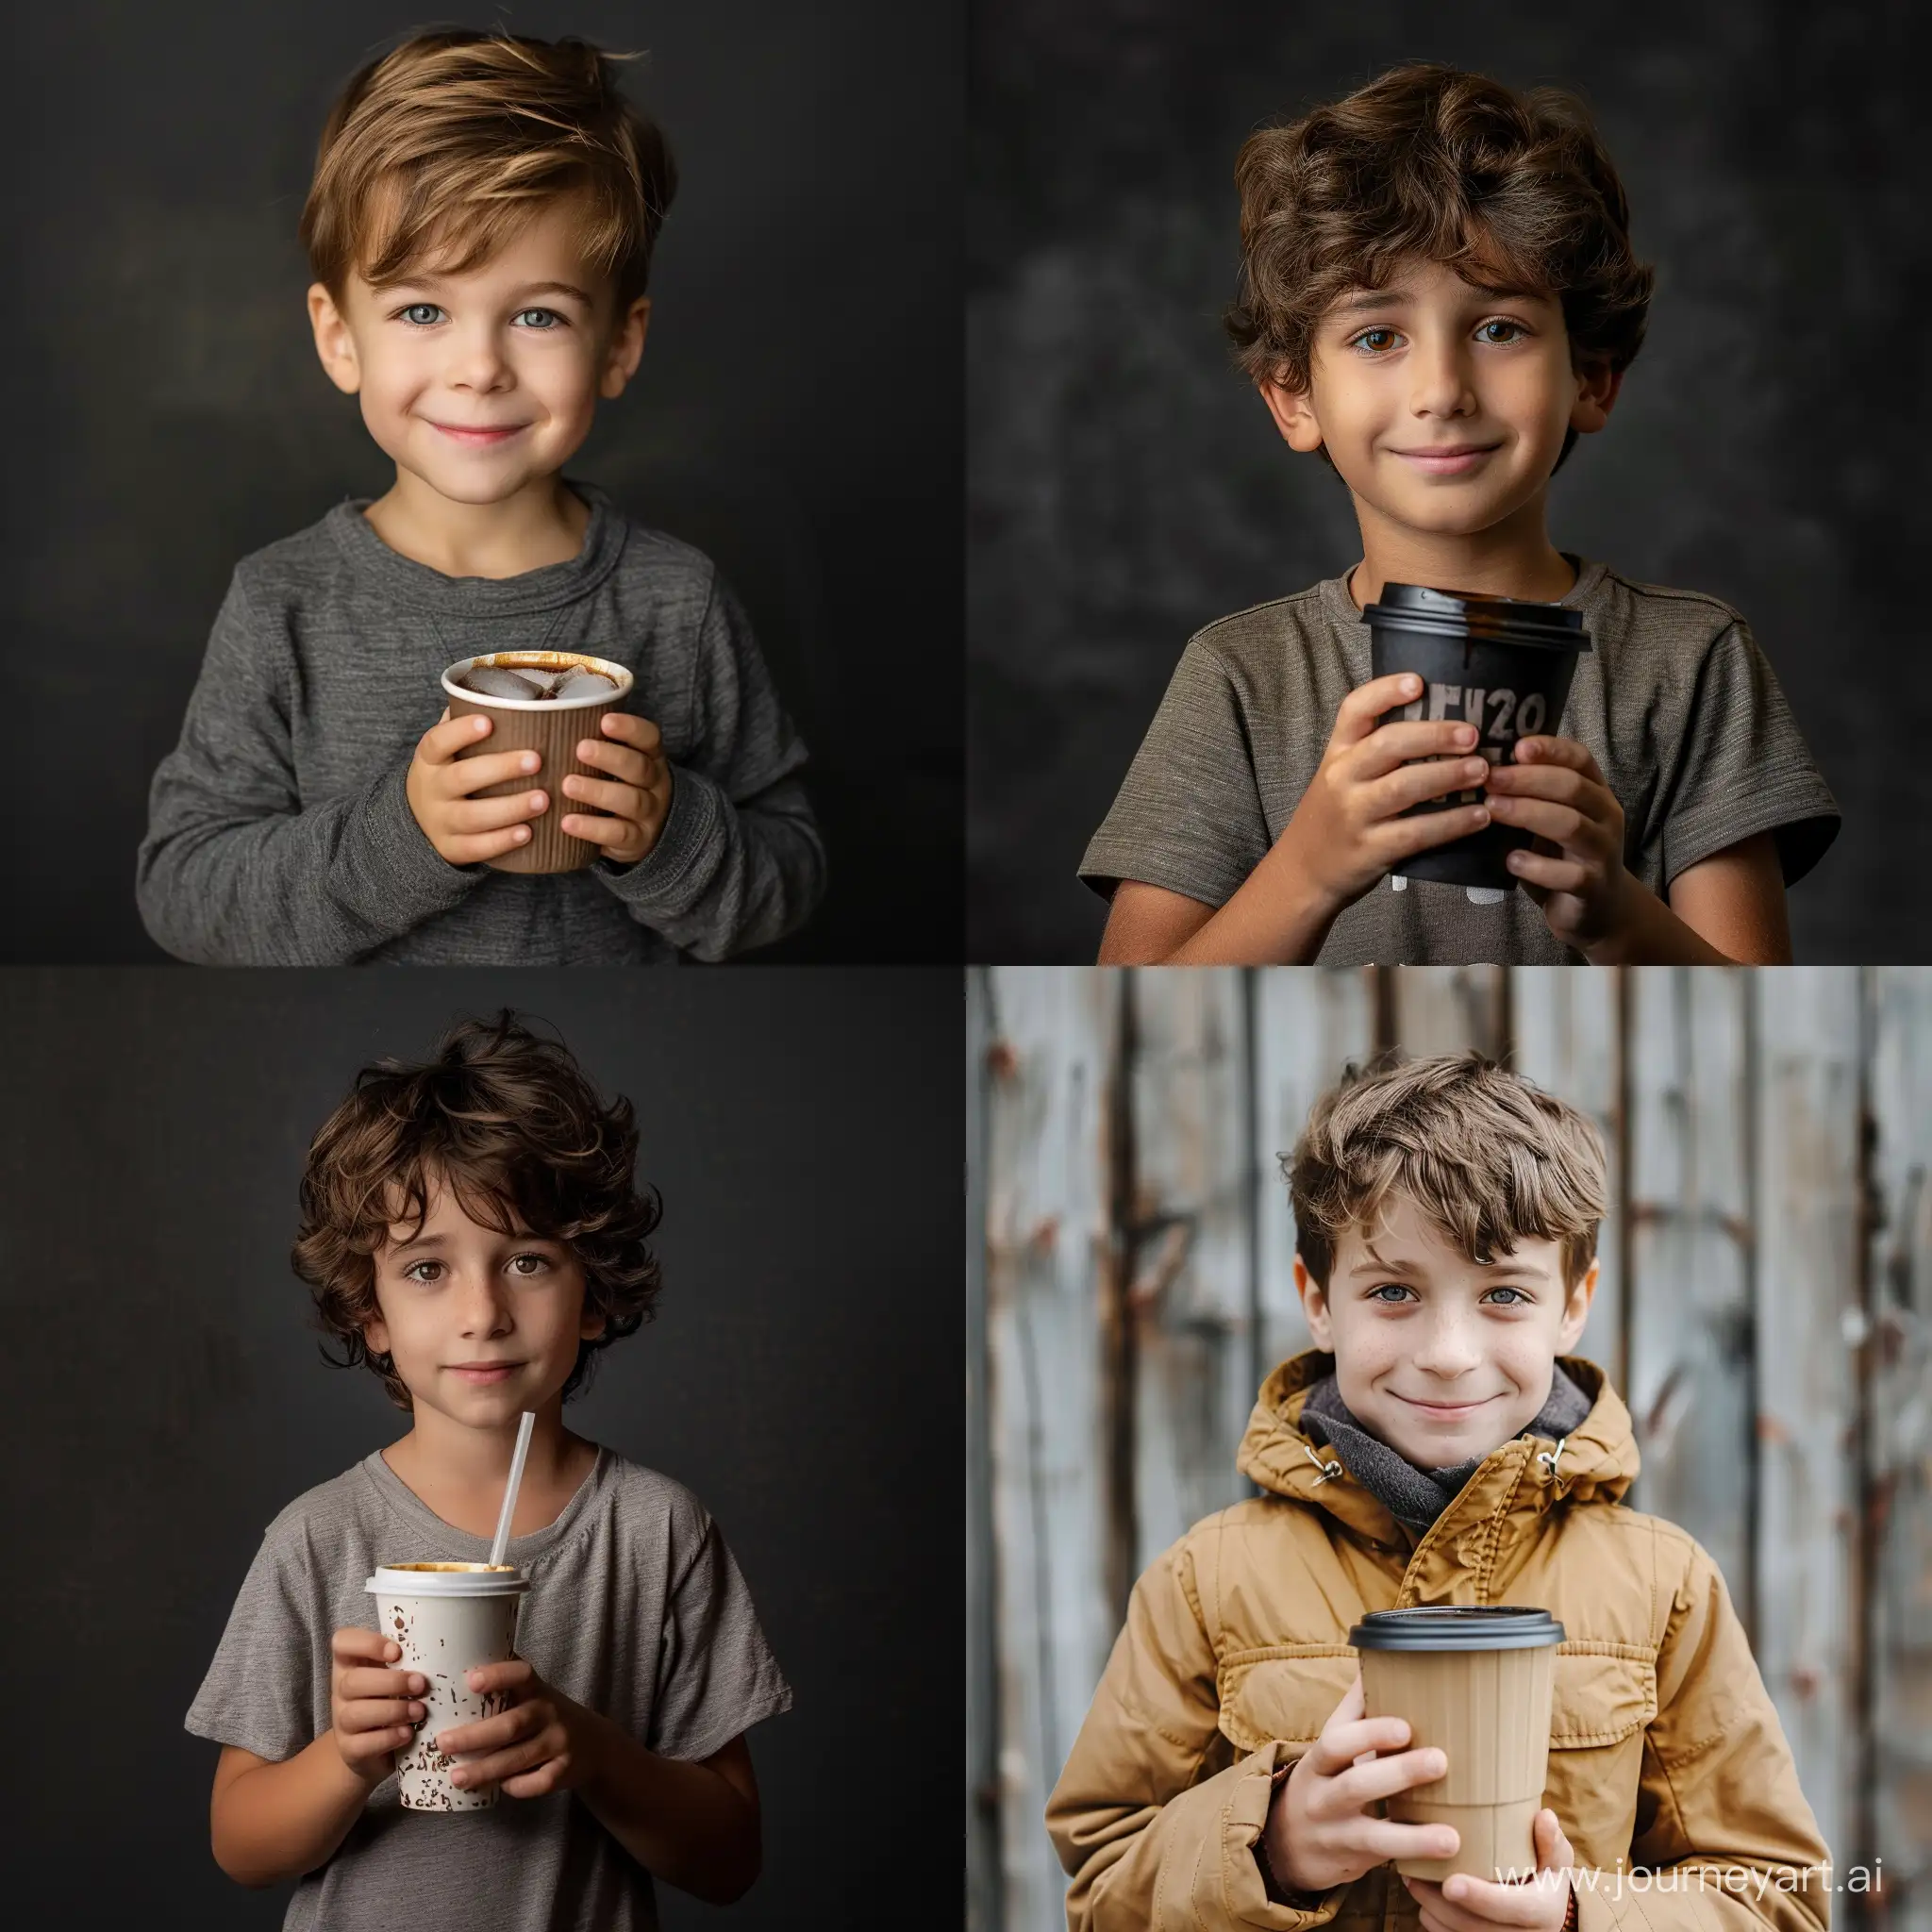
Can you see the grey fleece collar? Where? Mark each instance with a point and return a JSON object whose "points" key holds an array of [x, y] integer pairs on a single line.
{"points": [[1417, 1496]]}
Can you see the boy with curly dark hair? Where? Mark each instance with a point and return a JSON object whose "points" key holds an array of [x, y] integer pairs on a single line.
{"points": [[472, 1232], [1439, 296]]}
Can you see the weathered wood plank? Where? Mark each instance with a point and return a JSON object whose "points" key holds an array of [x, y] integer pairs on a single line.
{"points": [[1567, 1042], [1898, 1407], [1310, 1022], [1450, 1008], [1807, 1106], [1051, 1067], [1689, 1294], [1190, 1291]]}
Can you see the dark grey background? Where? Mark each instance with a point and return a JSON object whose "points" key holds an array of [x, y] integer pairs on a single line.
{"points": [[801, 1377], [796, 413], [1125, 486]]}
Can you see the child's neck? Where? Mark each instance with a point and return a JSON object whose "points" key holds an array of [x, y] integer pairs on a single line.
{"points": [[543, 522], [1513, 558], [458, 1471]]}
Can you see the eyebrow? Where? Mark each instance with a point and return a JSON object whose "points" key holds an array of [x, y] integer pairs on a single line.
{"points": [[1364, 300], [528, 288], [1403, 1265]]}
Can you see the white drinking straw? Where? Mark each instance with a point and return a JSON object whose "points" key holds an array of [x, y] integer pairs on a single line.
{"points": [[510, 1489]]}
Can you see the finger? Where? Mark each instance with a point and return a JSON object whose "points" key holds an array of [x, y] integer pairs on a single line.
{"points": [[485, 845], [378, 1713], [1393, 745], [442, 742], [612, 835], [1562, 824], [362, 1646], [1382, 1777], [1394, 840], [605, 794], [1542, 750], [1389, 798], [1561, 782], [472, 815], [619, 760], [638, 732], [488, 1733], [511, 1674], [1547, 874], [1473, 1902], [501, 1764], [1384, 1839], [471, 776], [1356, 716], [538, 1783], [362, 1682]]}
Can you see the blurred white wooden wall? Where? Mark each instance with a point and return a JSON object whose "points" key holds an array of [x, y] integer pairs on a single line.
{"points": [[1763, 1309]]}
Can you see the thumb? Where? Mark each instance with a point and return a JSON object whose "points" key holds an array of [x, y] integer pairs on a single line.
{"points": [[1553, 1851]]}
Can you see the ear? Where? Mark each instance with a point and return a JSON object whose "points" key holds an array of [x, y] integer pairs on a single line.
{"points": [[375, 1335], [1294, 416], [1577, 1310], [1315, 1306], [593, 1322], [1596, 396], [626, 345], [334, 344]]}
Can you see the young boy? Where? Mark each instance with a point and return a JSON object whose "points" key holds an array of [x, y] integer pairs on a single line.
{"points": [[472, 1231], [1435, 1446], [480, 227], [1439, 296]]}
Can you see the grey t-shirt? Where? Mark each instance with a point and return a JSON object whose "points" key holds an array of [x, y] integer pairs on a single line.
{"points": [[1673, 700], [278, 829], [635, 1609]]}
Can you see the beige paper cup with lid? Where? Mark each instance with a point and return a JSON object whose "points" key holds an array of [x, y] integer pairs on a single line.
{"points": [[549, 726]]}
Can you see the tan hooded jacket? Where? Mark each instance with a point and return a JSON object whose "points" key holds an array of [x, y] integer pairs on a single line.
{"points": [[1665, 1751]]}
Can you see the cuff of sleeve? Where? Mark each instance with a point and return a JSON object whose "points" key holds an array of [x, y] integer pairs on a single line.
{"points": [[662, 880], [1241, 1823], [387, 851]]}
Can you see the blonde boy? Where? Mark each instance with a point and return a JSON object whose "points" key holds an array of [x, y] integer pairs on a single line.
{"points": [[480, 227], [1437, 1445], [1439, 296]]}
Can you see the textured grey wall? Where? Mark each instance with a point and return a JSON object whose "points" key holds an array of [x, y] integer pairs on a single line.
{"points": [[165, 412], [1126, 487]]}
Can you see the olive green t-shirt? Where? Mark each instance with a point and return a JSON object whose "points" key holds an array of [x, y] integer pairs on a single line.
{"points": [[1673, 700]]}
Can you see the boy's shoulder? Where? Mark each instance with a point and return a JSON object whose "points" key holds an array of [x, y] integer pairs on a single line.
{"points": [[1253, 638], [1634, 610]]}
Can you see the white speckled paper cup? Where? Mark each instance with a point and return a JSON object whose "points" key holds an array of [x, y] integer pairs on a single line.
{"points": [[448, 1618], [549, 726]]}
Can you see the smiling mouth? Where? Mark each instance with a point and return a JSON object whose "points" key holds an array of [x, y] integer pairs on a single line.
{"points": [[484, 1373], [1460, 457], [1446, 1408], [490, 435]]}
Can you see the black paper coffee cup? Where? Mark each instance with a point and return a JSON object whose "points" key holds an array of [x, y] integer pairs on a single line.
{"points": [[1503, 664]]}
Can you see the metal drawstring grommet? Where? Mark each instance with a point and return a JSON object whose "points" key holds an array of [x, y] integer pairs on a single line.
{"points": [[1329, 1470], [1549, 1457]]}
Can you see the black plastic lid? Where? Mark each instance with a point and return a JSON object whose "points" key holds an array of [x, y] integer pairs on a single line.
{"points": [[1458, 1627], [1450, 614]]}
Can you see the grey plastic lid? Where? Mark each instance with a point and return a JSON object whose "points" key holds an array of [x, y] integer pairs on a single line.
{"points": [[1453, 614], [1458, 1627]]}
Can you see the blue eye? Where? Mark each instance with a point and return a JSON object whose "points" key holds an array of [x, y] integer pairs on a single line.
{"points": [[556, 320], [1375, 1294], [419, 314], [1516, 1291]]}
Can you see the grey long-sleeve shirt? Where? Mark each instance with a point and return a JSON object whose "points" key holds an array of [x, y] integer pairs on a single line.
{"points": [[278, 829]]}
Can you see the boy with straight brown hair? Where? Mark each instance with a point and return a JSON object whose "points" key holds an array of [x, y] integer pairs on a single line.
{"points": [[1439, 296], [1437, 1445], [480, 226]]}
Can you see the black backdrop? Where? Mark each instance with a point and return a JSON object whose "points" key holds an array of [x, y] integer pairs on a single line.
{"points": [[796, 413], [1125, 486], [801, 1377]]}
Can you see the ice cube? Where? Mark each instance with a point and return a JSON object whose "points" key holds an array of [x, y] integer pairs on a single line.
{"points": [[582, 682]]}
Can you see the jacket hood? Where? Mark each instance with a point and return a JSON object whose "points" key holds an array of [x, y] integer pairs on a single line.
{"points": [[1598, 1463]]}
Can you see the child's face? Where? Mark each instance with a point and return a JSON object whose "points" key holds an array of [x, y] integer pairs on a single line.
{"points": [[1410, 1319], [480, 1325], [483, 383], [1429, 363]]}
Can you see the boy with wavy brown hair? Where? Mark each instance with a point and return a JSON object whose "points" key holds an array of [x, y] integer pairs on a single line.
{"points": [[1437, 1445], [480, 226], [472, 1232], [1439, 296]]}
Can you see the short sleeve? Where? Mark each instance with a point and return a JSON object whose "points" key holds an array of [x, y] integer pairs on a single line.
{"points": [[1188, 816], [259, 1692], [1742, 768], [716, 1674]]}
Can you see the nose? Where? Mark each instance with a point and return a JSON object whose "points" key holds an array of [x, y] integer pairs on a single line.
{"points": [[476, 360], [1441, 375], [483, 1307], [1448, 1355]]}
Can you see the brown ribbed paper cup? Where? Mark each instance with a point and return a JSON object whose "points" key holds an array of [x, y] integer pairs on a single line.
{"points": [[549, 726], [1474, 1681]]}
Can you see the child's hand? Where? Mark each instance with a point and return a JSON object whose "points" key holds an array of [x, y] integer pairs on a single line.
{"points": [[467, 830], [542, 1743], [1575, 870], [636, 796], [1461, 1903], [373, 1712], [1320, 1830], [1347, 830]]}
